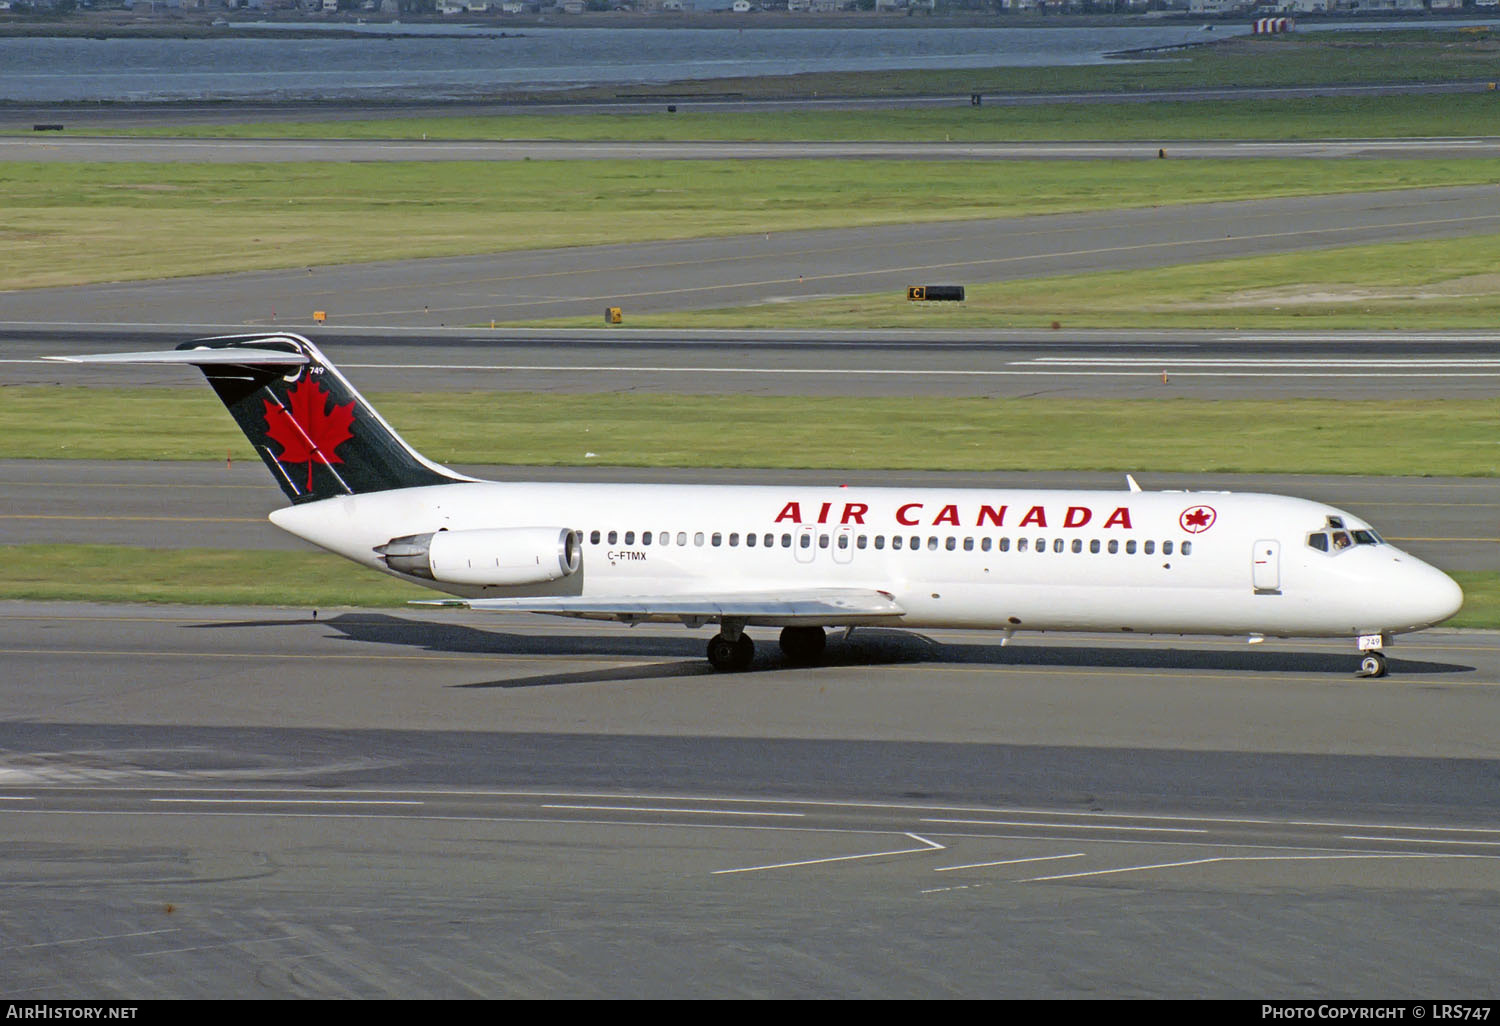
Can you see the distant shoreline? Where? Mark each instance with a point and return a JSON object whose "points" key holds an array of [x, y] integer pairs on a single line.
{"points": [[202, 25]]}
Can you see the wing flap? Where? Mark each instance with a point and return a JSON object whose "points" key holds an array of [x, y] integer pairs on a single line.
{"points": [[830, 607]]}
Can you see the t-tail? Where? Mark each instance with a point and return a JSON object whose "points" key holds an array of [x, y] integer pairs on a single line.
{"points": [[315, 432]]}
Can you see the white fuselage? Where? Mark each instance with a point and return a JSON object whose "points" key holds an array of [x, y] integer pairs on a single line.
{"points": [[1164, 562]]}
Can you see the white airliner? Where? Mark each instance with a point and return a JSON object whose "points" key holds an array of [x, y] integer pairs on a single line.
{"points": [[803, 558]]}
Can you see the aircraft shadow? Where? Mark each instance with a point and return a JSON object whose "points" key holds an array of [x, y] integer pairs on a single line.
{"points": [[870, 646]]}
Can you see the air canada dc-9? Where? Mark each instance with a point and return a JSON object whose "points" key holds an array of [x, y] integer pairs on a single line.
{"points": [[807, 559]]}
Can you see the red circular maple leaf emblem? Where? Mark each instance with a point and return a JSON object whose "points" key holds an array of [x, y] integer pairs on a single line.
{"points": [[1197, 519]]}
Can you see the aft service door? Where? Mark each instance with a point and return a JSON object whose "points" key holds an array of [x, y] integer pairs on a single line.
{"points": [[1265, 566]]}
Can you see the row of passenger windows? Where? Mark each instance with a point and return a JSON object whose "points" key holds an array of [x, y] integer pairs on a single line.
{"points": [[933, 543]]}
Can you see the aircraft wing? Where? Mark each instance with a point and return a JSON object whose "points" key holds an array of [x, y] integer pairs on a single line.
{"points": [[828, 607]]}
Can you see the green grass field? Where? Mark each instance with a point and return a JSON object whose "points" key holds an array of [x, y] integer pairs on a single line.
{"points": [[1447, 284], [1446, 437], [66, 224]]}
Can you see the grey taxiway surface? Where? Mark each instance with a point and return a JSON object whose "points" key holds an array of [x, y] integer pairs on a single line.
{"points": [[238, 802]]}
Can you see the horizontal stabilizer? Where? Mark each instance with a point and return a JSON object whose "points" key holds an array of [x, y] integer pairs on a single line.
{"points": [[243, 356], [829, 607]]}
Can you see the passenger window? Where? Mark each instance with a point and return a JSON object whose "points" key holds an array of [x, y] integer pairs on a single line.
{"points": [[769, 541], [1187, 548], [984, 544], [1005, 544], [749, 541], [880, 541], [1094, 546], [1114, 546], [804, 541], [734, 540], [1057, 545], [916, 542], [613, 536], [896, 541], [629, 537], [951, 544], [682, 538], [786, 541], [646, 538], [1130, 547], [863, 541], [822, 541], [1077, 545], [718, 539], [593, 537], [1041, 544], [843, 541], [1149, 548], [1166, 548], [698, 539]]}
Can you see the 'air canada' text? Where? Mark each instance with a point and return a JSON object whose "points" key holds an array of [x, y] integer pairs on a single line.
{"points": [[913, 514]]}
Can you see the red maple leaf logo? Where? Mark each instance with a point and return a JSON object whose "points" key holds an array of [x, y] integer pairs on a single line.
{"points": [[309, 430], [1198, 519]]}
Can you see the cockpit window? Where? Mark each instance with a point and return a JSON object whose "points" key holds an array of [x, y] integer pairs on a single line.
{"points": [[1334, 538]]}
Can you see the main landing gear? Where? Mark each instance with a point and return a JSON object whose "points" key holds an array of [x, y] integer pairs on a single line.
{"points": [[731, 650], [803, 645]]}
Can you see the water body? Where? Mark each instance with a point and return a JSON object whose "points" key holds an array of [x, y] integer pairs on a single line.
{"points": [[466, 62]]}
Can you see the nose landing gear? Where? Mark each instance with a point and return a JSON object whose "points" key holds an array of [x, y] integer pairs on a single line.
{"points": [[1372, 659]]}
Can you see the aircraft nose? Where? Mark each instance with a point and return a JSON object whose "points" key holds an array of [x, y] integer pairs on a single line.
{"points": [[1429, 595]]}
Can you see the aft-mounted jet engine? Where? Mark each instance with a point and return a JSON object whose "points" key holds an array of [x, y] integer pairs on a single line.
{"points": [[500, 556]]}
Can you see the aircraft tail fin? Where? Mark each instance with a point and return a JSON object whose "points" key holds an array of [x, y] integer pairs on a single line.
{"points": [[314, 431]]}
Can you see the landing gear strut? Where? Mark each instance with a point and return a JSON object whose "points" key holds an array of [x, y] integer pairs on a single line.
{"points": [[803, 644], [731, 650], [1371, 658]]}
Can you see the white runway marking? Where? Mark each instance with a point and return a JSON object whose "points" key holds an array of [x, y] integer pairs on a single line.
{"points": [[1225, 858], [930, 846], [280, 801], [1009, 862], [695, 812], [1064, 826]]}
